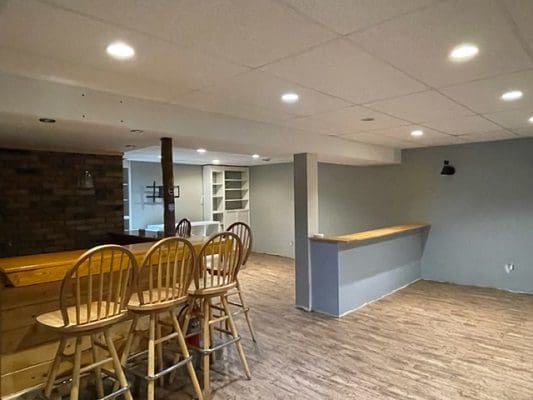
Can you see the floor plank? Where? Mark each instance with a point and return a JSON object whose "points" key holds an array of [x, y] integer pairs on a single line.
{"points": [[428, 341]]}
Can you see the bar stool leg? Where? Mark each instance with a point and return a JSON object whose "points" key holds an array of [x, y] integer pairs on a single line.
{"points": [[151, 359], [159, 348], [185, 353], [55, 367], [119, 372], [206, 342], [75, 389], [235, 334], [129, 341], [97, 370], [246, 310]]}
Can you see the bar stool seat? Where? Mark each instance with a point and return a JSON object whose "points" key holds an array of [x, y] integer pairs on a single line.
{"points": [[99, 285], [54, 319]]}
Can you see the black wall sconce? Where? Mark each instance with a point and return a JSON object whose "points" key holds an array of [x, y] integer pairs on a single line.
{"points": [[447, 169]]}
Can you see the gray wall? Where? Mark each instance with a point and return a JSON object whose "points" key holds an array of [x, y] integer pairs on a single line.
{"points": [[272, 209], [188, 205], [481, 218]]}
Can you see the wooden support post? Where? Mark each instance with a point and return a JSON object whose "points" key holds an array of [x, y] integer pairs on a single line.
{"points": [[169, 215]]}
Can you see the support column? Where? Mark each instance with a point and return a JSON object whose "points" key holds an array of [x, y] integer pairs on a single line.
{"points": [[305, 222], [169, 215]]}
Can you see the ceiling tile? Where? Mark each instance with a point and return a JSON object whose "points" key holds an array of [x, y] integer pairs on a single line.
{"points": [[349, 120], [521, 11], [155, 60], [421, 107], [463, 125], [525, 131], [379, 139], [340, 69], [512, 119], [430, 137], [263, 89], [248, 32], [345, 16], [483, 96], [215, 103], [419, 43], [488, 136]]}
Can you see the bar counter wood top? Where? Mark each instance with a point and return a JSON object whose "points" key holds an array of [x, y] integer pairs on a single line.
{"points": [[374, 234], [51, 267]]}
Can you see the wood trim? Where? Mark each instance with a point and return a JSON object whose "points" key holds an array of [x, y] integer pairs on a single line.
{"points": [[372, 234]]}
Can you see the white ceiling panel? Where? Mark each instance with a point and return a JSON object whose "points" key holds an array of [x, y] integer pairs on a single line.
{"points": [[488, 136], [155, 60], [350, 120], [220, 104], [521, 12], [430, 137], [513, 118], [421, 107], [463, 125], [265, 90], [419, 42], [345, 16], [380, 140], [340, 69], [525, 131], [483, 96], [250, 32]]}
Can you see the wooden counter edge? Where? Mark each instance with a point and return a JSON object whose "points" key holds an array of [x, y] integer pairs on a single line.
{"points": [[373, 234]]}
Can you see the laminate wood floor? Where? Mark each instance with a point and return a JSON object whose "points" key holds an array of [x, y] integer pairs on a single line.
{"points": [[427, 341]]}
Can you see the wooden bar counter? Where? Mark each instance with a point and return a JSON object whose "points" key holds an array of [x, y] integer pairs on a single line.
{"points": [[30, 286]]}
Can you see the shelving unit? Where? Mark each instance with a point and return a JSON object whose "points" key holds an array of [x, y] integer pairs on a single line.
{"points": [[226, 194]]}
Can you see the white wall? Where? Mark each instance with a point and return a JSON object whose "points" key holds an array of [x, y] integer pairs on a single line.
{"points": [[188, 205]]}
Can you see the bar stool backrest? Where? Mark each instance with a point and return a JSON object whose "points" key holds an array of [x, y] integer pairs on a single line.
{"points": [[166, 271], [244, 232], [221, 256], [183, 228], [98, 285]]}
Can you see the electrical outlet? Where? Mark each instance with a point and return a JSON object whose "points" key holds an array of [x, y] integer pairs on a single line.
{"points": [[510, 267]]}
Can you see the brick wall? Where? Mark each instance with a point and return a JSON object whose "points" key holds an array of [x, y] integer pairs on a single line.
{"points": [[43, 210]]}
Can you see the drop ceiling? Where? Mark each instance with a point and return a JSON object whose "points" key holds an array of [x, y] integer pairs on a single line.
{"points": [[229, 61]]}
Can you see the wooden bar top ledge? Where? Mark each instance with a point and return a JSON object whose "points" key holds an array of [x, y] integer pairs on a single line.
{"points": [[362, 237]]}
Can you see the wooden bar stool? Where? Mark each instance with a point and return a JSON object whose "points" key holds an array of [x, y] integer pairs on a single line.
{"points": [[244, 233], [99, 287], [183, 228], [164, 277], [221, 255]]}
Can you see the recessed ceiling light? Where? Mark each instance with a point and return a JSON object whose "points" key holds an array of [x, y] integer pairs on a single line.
{"points": [[464, 52], [136, 131], [47, 120], [201, 151], [255, 156], [512, 95], [417, 133], [120, 50], [290, 98], [530, 120], [216, 161]]}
